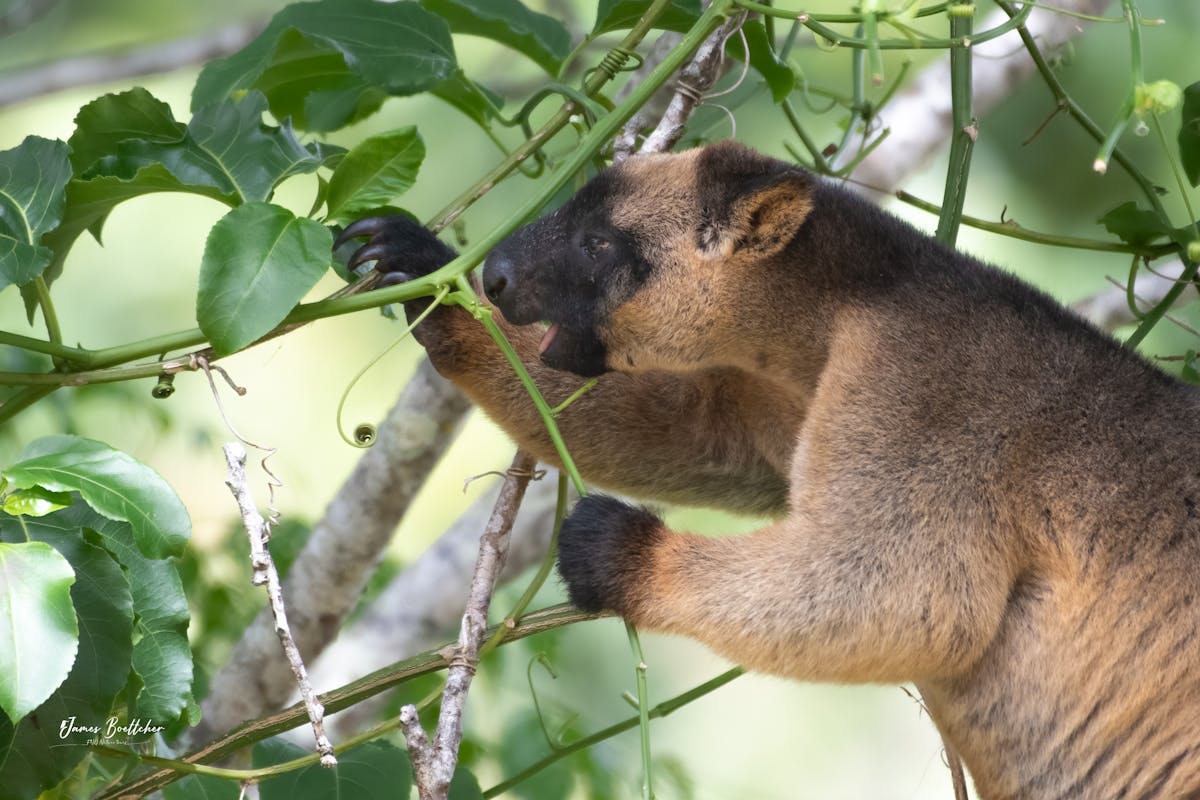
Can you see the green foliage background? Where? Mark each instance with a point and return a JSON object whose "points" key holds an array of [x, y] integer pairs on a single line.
{"points": [[759, 737]]}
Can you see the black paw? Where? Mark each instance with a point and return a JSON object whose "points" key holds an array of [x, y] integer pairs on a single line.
{"points": [[604, 551], [401, 248]]}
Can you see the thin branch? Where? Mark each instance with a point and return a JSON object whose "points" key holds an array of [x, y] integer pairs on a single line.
{"points": [[265, 573], [434, 762], [693, 81], [423, 602], [256, 730], [112, 66], [327, 578], [919, 119]]}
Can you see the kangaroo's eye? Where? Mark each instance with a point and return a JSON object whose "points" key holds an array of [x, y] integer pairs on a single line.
{"points": [[594, 245]]}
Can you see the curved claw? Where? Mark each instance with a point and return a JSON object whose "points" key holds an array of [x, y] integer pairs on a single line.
{"points": [[371, 226], [392, 278], [371, 251]]}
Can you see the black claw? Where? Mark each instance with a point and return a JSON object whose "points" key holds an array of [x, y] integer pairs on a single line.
{"points": [[371, 226], [393, 278], [371, 251]]}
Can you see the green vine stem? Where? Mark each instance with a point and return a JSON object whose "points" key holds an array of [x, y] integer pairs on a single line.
{"points": [[53, 331], [811, 21], [1134, 20], [963, 136], [657, 712], [643, 707], [368, 686], [1015, 231], [1064, 101]]}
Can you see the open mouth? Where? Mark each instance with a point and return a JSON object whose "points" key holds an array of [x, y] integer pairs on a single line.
{"points": [[548, 338]]}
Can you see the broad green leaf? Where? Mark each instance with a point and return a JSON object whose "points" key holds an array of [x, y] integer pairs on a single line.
{"points": [[472, 99], [227, 148], [374, 173], [465, 786], [396, 48], [524, 743], [258, 262], [310, 82], [34, 502], [1138, 226], [1189, 133], [33, 176], [41, 750], [257, 157], [161, 656], [376, 770], [619, 15], [111, 482], [544, 39], [107, 121], [39, 633], [777, 74]]}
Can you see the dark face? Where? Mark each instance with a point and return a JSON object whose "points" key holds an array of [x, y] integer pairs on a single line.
{"points": [[568, 269]]}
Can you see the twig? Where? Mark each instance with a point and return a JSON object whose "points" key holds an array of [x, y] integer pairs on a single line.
{"points": [[693, 81], [265, 572], [626, 141], [434, 762], [111, 66], [342, 550], [426, 599], [919, 117]]}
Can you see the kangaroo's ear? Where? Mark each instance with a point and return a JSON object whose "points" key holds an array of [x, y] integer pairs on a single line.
{"points": [[751, 205]]}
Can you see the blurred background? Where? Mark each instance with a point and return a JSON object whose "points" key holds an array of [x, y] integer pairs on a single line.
{"points": [[757, 738]]}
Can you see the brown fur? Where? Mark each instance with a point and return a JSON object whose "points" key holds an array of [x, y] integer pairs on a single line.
{"points": [[980, 494]]}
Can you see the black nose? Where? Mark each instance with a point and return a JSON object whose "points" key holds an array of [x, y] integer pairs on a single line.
{"points": [[499, 278]]}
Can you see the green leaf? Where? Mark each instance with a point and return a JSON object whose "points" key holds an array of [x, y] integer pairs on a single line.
{"points": [[41, 750], [1140, 226], [376, 770], [34, 502], [472, 99], [374, 173], [524, 743], [161, 656], [778, 75], [619, 15], [227, 148], [257, 157], [101, 125], [1133, 225], [354, 51], [465, 786], [1189, 133], [39, 633], [33, 177], [543, 39], [111, 482], [258, 262]]}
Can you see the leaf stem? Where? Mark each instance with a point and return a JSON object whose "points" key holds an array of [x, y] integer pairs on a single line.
{"points": [[661, 710], [53, 331], [643, 704], [963, 136]]}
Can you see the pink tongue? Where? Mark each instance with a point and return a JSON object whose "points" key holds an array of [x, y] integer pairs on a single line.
{"points": [[551, 332]]}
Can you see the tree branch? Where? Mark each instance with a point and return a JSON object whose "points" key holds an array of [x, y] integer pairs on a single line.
{"points": [[434, 762], [115, 65], [328, 575], [418, 607], [265, 573]]}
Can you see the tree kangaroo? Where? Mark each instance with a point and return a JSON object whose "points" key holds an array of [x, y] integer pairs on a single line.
{"points": [[976, 491]]}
